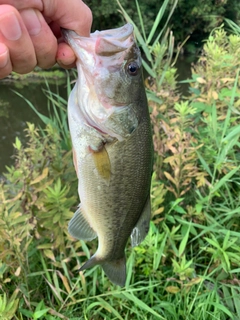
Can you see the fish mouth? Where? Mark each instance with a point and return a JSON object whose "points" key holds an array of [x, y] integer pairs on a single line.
{"points": [[121, 33], [102, 43]]}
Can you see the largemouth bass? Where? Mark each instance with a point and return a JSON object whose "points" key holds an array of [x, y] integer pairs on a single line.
{"points": [[112, 146]]}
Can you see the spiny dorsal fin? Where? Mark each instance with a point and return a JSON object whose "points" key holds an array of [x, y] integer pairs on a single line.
{"points": [[79, 227]]}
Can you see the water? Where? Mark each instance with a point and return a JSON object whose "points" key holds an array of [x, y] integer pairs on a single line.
{"points": [[15, 112]]}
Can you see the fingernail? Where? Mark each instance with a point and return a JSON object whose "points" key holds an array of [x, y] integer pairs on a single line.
{"points": [[31, 20], [10, 27]]}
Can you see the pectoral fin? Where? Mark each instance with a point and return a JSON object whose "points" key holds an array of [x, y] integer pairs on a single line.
{"points": [[102, 163], [79, 227], [140, 231]]}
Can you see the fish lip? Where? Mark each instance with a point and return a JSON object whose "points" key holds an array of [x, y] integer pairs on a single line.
{"points": [[121, 33], [115, 36]]}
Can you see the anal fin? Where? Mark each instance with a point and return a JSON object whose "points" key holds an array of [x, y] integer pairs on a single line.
{"points": [[141, 229], [79, 227]]}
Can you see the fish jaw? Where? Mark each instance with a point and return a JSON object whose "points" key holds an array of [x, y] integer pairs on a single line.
{"points": [[102, 62]]}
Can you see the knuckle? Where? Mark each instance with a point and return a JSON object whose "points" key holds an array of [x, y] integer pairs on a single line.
{"points": [[24, 63], [46, 56]]}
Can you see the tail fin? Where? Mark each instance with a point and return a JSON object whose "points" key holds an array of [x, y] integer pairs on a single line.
{"points": [[115, 270]]}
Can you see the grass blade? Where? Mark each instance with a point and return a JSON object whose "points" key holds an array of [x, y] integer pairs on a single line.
{"points": [[224, 179], [139, 303]]}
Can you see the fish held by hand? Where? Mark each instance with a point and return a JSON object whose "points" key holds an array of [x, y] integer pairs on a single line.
{"points": [[112, 146]]}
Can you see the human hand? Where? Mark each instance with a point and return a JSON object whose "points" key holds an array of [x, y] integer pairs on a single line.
{"points": [[30, 33]]}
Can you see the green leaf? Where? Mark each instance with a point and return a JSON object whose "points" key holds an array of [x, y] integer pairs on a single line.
{"points": [[235, 131], [17, 144], [40, 313], [179, 210], [222, 308], [45, 119], [236, 299], [142, 305], [224, 179], [184, 241], [26, 313]]}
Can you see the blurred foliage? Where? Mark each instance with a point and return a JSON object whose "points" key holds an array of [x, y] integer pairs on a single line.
{"points": [[4, 109], [198, 18], [191, 17]]}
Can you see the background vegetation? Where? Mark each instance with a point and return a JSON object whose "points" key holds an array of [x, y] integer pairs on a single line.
{"points": [[188, 266], [194, 18]]}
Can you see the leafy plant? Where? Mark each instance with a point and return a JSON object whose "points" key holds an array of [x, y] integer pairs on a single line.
{"points": [[35, 205], [9, 306]]}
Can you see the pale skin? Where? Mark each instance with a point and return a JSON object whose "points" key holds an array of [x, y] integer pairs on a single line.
{"points": [[30, 33]]}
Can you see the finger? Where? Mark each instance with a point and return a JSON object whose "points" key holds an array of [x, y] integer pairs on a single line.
{"points": [[44, 41], [24, 4], [77, 16], [14, 35], [5, 62], [65, 56]]}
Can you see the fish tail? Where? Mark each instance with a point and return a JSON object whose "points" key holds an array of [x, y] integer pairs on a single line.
{"points": [[116, 271]]}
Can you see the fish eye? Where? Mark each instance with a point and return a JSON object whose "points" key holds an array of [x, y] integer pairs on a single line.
{"points": [[132, 68]]}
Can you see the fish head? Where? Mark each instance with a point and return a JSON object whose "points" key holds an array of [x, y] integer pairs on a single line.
{"points": [[109, 81]]}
